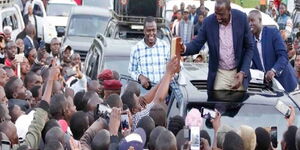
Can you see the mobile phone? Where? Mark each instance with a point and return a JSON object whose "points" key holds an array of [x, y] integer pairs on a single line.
{"points": [[283, 108], [19, 57], [103, 109], [273, 134], [124, 121], [195, 138], [289, 40], [208, 113], [186, 133], [5, 145]]}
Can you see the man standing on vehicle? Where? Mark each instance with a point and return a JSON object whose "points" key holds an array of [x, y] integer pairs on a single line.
{"points": [[230, 47], [270, 55], [149, 57]]}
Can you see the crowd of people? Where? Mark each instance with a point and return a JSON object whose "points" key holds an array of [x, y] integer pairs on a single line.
{"points": [[48, 103]]}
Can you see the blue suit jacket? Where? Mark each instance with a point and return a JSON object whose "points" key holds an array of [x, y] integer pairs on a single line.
{"points": [[275, 56], [242, 42]]}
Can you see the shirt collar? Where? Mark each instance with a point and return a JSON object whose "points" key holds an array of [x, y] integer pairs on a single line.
{"points": [[146, 46], [260, 35]]}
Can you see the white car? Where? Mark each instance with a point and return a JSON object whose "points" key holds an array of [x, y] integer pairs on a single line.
{"points": [[10, 15], [57, 17]]}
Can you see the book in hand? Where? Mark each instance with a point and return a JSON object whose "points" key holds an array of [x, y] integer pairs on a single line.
{"points": [[176, 48]]}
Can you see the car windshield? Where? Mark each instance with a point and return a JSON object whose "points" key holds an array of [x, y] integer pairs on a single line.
{"points": [[119, 64], [237, 114], [296, 20], [54, 9], [97, 3], [87, 26]]}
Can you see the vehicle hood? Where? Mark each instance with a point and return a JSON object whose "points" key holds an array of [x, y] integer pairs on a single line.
{"points": [[57, 20], [79, 43]]}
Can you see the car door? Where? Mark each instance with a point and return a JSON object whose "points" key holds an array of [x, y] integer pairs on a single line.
{"points": [[12, 17]]}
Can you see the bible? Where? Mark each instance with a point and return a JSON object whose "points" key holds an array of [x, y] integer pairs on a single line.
{"points": [[176, 48]]}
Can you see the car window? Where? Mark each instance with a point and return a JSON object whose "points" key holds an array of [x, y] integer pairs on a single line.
{"points": [[78, 25], [7, 21], [15, 23], [296, 19], [54, 9], [37, 10], [117, 63]]}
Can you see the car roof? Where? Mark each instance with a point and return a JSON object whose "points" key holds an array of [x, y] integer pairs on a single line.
{"points": [[62, 2], [88, 10]]}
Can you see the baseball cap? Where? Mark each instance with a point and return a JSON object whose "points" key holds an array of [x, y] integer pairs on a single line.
{"points": [[137, 139]]}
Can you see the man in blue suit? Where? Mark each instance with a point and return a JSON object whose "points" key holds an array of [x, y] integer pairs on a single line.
{"points": [[270, 54], [230, 47]]}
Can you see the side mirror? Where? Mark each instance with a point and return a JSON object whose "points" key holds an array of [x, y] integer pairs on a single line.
{"points": [[101, 38]]}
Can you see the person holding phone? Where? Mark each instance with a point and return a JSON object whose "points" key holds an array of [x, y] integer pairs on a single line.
{"points": [[230, 48], [270, 55]]}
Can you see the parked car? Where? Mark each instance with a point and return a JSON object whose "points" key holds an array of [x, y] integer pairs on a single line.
{"points": [[10, 15], [83, 24], [56, 20], [98, 3]]}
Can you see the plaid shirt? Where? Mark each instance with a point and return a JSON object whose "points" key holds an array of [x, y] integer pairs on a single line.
{"points": [[149, 61], [138, 116]]}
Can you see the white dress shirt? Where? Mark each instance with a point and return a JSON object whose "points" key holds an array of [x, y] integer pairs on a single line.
{"points": [[259, 48]]}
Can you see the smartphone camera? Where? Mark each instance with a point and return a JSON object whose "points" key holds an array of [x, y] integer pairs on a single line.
{"points": [[273, 134], [283, 108], [102, 111], [208, 113], [195, 138], [124, 121]]}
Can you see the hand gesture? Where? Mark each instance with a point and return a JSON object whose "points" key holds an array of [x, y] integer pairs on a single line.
{"points": [[145, 82], [291, 119], [239, 77], [173, 66], [75, 145], [216, 122], [269, 76], [115, 120]]}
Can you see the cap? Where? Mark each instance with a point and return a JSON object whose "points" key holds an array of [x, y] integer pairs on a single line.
{"points": [[42, 45], [106, 74], [22, 124], [112, 84], [63, 125], [136, 139], [193, 118]]}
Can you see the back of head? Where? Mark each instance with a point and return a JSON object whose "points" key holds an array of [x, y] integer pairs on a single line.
{"points": [[159, 115], [247, 133], [114, 100], [57, 106], [101, 140], [298, 139], [204, 134], [78, 99], [154, 135], [30, 29], [49, 124], [54, 145], [79, 123], [176, 123], [166, 141], [233, 141], [55, 133], [289, 138], [116, 75], [128, 99], [85, 99], [263, 139], [221, 134], [133, 86], [148, 125], [180, 139]]}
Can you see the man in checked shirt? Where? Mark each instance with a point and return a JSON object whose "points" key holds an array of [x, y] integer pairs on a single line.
{"points": [[149, 57]]}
